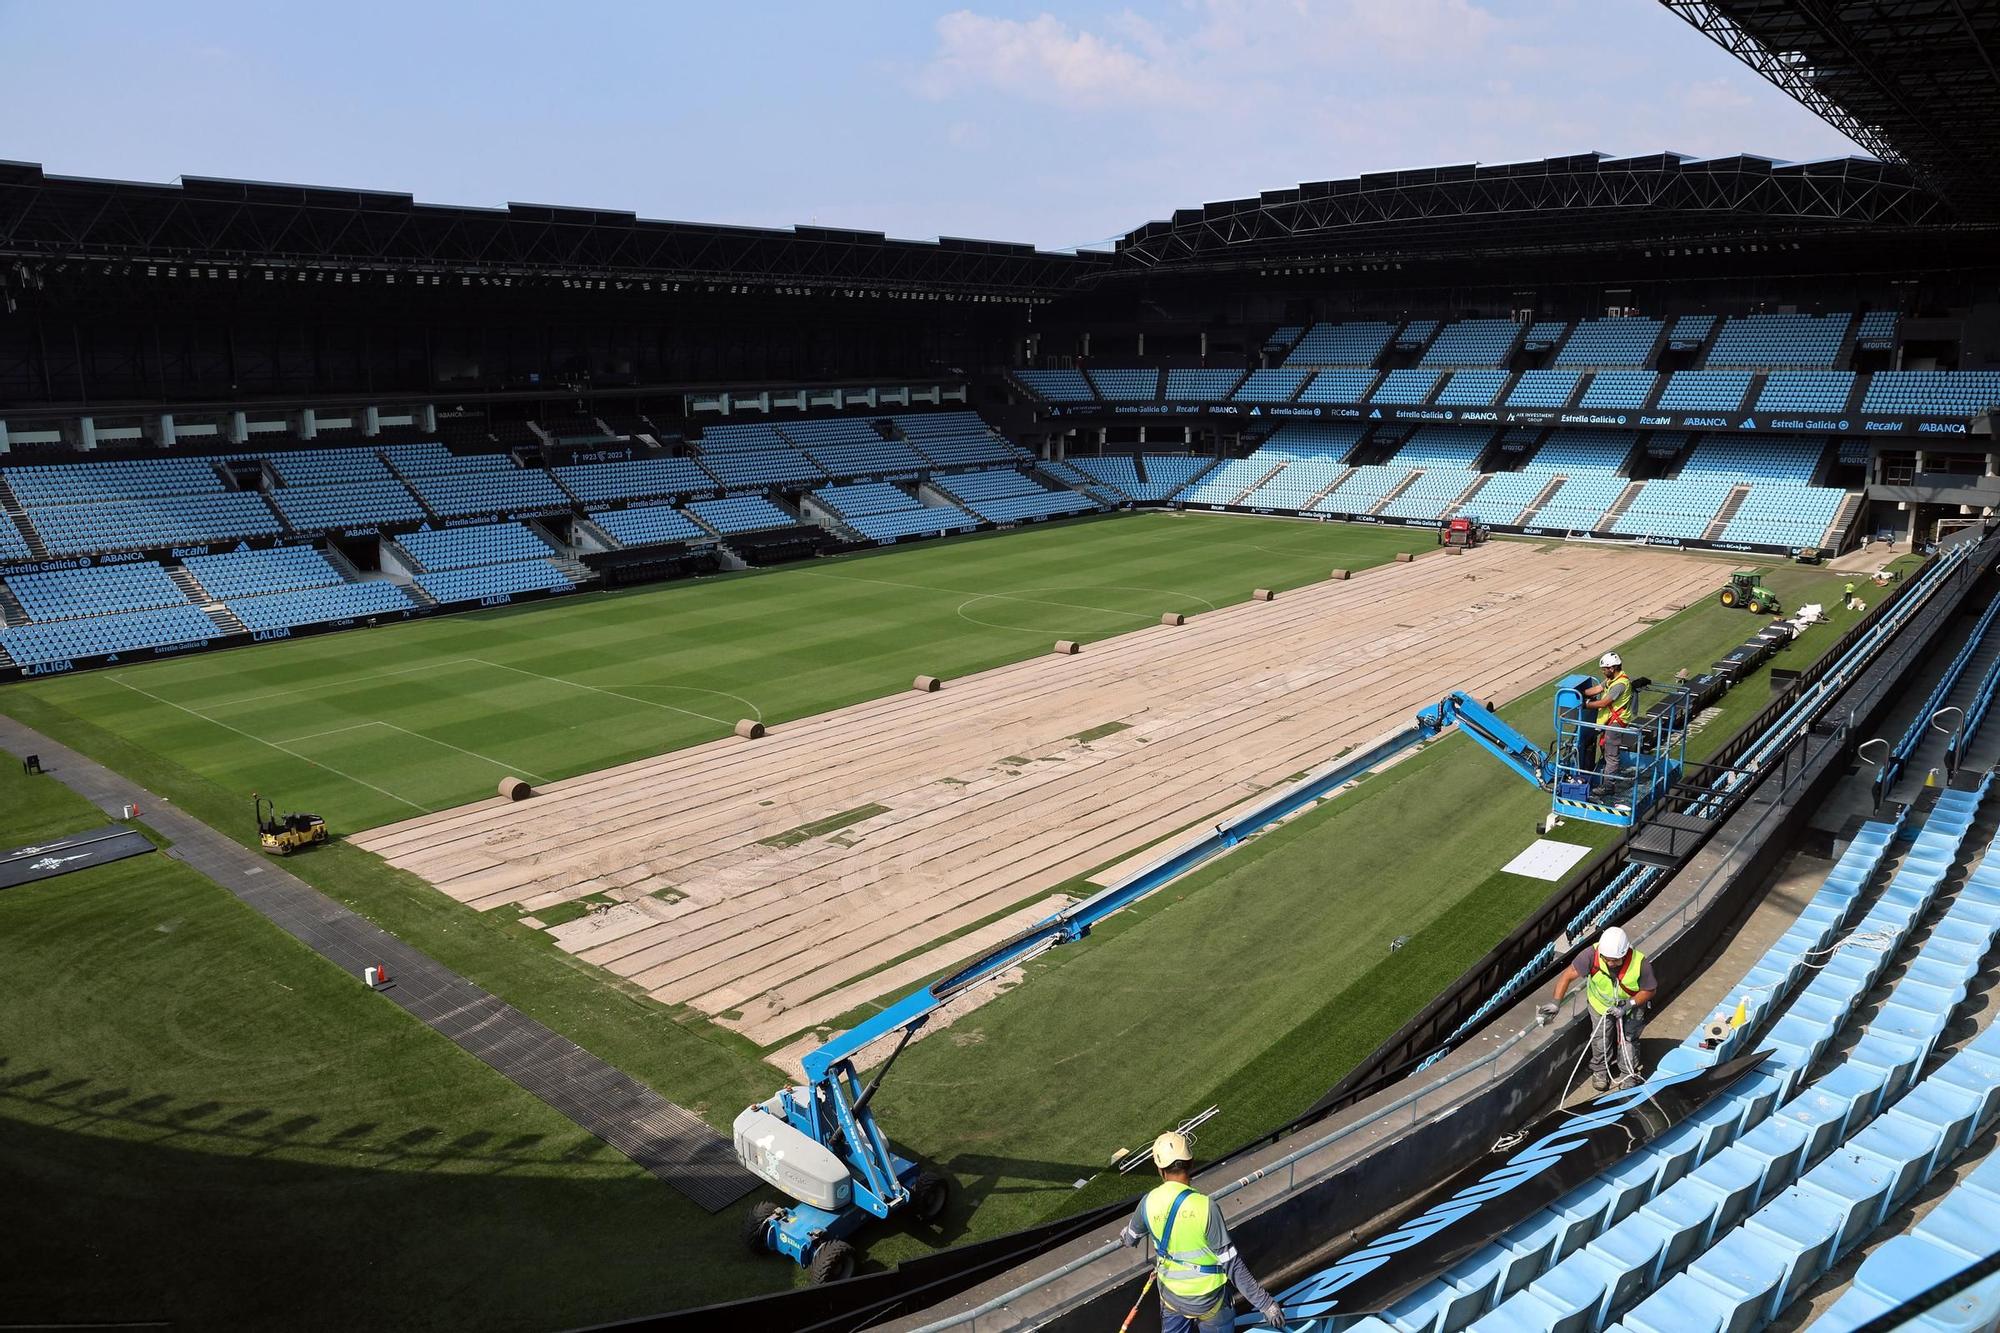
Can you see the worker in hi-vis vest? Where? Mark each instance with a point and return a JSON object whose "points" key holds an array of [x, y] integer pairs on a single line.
{"points": [[1618, 982], [1612, 698], [1194, 1260]]}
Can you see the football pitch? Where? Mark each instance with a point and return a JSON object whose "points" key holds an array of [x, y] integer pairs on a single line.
{"points": [[376, 725]]}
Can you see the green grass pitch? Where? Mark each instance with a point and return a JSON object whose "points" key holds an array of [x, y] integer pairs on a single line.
{"points": [[1018, 1100]]}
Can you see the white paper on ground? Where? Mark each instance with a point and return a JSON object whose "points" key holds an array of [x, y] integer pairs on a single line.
{"points": [[1546, 859]]}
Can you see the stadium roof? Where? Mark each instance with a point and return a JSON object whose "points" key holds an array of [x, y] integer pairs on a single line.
{"points": [[66, 219], [1912, 81], [1561, 203]]}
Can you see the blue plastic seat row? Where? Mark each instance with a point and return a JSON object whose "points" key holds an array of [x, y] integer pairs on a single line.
{"points": [[96, 590], [1272, 386], [351, 504], [481, 544], [471, 585], [1406, 387], [644, 525], [316, 606], [1625, 341], [870, 458], [1473, 342], [248, 573], [1357, 343], [1739, 1178], [1135, 386], [1755, 1271], [1964, 1229], [1666, 1204], [636, 478], [1340, 385], [740, 513]]}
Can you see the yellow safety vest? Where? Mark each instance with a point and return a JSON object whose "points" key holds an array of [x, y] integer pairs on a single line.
{"points": [[1607, 990], [1187, 1267], [1616, 713]]}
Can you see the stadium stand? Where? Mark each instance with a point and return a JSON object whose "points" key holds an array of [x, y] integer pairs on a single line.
{"points": [[1353, 344], [13, 546], [1932, 392], [1610, 342], [1443, 446], [1726, 458], [1006, 495], [648, 525], [34, 645], [1416, 333], [317, 606], [737, 468], [1877, 330], [1779, 340], [1503, 497], [846, 447], [1362, 491], [1406, 387], [1132, 386], [1618, 389], [1473, 342], [1544, 388], [1338, 386], [1690, 331], [354, 504], [1070, 475], [1704, 391], [1166, 474], [1311, 439], [1806, 391], [883, 512], [129, 479], [462, 486], [1271, 386], [119, 525], [1582, 449], [1201, 386], [501, 580], [1472, 388], [740, 513], [1058, 386], [251, 573], [1227, 481], [633, 479], [1544, 334], [1676, 508], [954, 439], [66, 594], [1580, 502], [1775, 513], [460, 548], [1283, 337], [324, 467], [1295, 484], [1428, 496]]}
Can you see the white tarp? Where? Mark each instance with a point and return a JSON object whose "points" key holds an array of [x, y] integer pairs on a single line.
{"points": [[1546, 859]]}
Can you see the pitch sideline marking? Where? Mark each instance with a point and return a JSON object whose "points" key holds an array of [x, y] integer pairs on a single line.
{"points": [[632, 698], [216, 721], [1010, 597], [414, 735]]}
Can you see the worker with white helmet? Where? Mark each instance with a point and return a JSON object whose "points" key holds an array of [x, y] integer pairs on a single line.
{"points": [[1612, 698], [1194, 1260], [1618, 982]]}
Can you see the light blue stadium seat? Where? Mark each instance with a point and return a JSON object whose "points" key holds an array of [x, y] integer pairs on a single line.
{"points": [[1858, 1186], [1684, 1304]]}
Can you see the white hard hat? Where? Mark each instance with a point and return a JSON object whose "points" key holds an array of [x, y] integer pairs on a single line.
{"points": [[1613, 944], [1170, 1149], [1610, 660]]}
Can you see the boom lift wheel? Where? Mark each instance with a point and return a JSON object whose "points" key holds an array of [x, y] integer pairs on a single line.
{"points": [[832, 1262], [755, 1225], [929, 1194]]}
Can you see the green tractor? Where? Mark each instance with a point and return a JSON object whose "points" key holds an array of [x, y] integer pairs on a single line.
{"points": [[1745, 591]]}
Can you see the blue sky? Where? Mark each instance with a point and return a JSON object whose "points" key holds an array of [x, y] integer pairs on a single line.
{"points": [[1061, 125]]}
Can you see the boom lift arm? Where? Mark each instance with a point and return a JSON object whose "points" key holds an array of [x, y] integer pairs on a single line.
{"points": [[820, 1142]]}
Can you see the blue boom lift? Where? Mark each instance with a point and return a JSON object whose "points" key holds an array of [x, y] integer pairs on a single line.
{"points": [[820, 1144]]}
